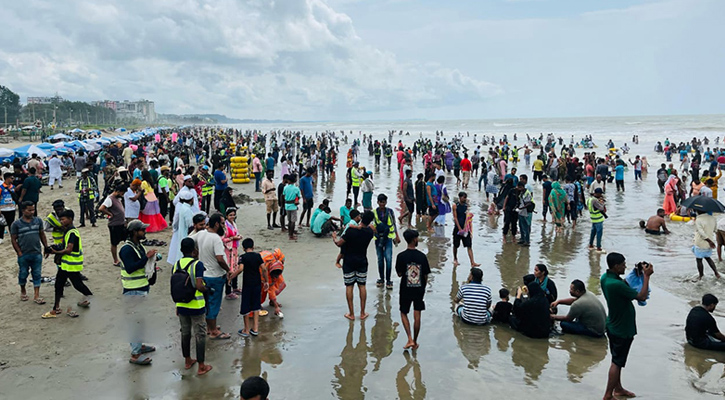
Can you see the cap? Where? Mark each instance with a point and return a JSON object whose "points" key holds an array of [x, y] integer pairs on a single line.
{"points": [[122, 169], [165, 168], [205, 167], [136, 225], [187, 177], [186, 195], [84, 170], [356, 163], [598, 191], [58, 203]]}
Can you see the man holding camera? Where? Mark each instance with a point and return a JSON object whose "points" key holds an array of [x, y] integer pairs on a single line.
{"points": [[621, 322]]}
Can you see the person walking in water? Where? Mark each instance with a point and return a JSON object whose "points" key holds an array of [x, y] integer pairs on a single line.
{"points": [[597, 214]]}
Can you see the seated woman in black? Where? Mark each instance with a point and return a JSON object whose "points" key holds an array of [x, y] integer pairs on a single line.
{"points": [[531, 316], [541, 273]]}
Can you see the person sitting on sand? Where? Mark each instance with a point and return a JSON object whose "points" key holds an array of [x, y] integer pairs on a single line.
{"points": [[654, 223], [701, 329], [474, 300]]}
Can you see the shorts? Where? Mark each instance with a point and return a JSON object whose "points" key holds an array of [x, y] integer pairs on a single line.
{"points": [[619, 347], [406, 299], [307, 204], [432, 211], [411, 206], [702, 253], [291, 216], [272, 206], [251, 299], [354, 272], [651, 232], [118, 234], [458, 238]]}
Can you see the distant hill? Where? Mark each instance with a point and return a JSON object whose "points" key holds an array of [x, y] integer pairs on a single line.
{"points": [[223, 119]]}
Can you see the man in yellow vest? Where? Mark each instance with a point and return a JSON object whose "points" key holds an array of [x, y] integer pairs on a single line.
{"points": [[86, 188], [71, 265], [136, 285], [386, 235], [192, 314], [356, 179], [597, 214], [52, 222]]}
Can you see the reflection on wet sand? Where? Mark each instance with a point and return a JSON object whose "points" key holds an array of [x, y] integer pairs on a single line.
{"points": [[473, 341], [513, 263], [414, 389], [351, 370], [595, 266], [531, 354], [559, 253], [503, 335], [384, 331], [706, 370], [584, 353]]}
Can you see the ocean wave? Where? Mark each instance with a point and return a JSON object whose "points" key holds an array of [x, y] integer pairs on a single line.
{"points": [[707, 128], [501, 125]]}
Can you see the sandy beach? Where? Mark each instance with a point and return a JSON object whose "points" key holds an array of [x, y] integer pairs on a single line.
{"points": [[315, 353]]}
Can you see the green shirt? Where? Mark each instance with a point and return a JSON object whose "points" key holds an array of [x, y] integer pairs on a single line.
{"points": [[621, 321]]}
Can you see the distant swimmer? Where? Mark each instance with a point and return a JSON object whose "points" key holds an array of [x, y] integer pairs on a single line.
{"points": [[654, 223]]}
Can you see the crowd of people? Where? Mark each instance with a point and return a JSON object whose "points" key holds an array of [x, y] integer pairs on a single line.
{"points": [[181, 178]]}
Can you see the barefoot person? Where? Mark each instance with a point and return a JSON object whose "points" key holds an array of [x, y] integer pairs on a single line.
{"points": [[27, 236], [413, 269], [705, 227], [621, 320], [462, 232], [254, 281], [191, 314], [654, 223], [354, 244]]}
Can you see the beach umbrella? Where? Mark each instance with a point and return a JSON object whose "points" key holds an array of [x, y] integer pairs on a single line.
{"points": [[121, 130], [702, 203], [90, 146], [28, 149], [5, 152], [77, 130], [59, 136]]}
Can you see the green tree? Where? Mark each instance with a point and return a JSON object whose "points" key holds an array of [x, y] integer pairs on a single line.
{"points": [[10, 105]]}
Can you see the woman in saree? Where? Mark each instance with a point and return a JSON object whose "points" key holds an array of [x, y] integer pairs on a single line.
{"points": [[231, 249], [669, 204], [557, 204]]}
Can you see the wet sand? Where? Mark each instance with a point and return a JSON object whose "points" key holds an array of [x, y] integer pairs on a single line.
{"points": [[315, 353]]}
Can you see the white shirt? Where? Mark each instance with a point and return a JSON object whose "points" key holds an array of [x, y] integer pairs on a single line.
{"points": [[706, 191], [133, 208], [54, 165], [210, 245], [194, 206]]}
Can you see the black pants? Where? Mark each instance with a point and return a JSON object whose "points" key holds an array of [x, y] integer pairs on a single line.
{"points": [[197, 323], [87, 206], [230, 285], [355, 193], [75, 278], [510, 222], [163, 205], [172, 211], [217, 198], [620, 185], [9, 219], [206, 203]]}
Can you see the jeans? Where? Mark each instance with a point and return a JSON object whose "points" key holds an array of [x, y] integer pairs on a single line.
{"points": [[483, 178], [525, 228], [637, 175], [87, 206], [257, 181], [136, 323], [597, 229], [198, 323], [30, 264], [384, 248], [214, 300], [577, 328]]}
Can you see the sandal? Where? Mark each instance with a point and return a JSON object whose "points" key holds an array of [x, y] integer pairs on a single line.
{"points": [[48, 315], [72, 314], [221, 336], [263, 313], [140, 361], [232, 296], [24, 297], [39, 300], [84, 304], [147, 349]]}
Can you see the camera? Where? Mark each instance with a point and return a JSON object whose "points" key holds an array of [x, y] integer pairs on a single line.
{"points": [[640, 266]]}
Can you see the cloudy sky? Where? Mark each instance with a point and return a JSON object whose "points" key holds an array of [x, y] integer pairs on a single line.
{"points": [[372, 59]]}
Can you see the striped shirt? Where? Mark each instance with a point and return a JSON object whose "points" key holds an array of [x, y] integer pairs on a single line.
{"points": [[477, 300]]}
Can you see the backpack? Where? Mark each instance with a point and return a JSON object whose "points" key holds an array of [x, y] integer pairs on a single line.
{"points": [[183, 288]]}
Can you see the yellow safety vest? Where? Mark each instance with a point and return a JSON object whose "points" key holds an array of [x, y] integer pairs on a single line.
{"points": [[136, 279], [594, 214], [208, 188], [57, 229], [198, 301], [72, 262], [355, 177], [91, 193], [391, 235]]}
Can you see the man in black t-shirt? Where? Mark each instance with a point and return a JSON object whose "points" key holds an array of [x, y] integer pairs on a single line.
{"points": [[413, 269], [354, 245], [254, 280], [701, 329]]}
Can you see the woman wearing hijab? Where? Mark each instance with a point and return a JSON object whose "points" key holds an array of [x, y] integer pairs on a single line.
{"points": [[226, 200], [670, 191], [444, 205], [532, 316], [151, 213], [557, 204], [541, 276]]}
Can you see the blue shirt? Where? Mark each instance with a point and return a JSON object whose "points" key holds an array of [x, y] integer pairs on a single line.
{"points": [[306, 186], [270, 164], [219, 176], [619, 173]]}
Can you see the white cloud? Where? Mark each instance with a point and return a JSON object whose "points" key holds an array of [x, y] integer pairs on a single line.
{"points": [[257, 58]]}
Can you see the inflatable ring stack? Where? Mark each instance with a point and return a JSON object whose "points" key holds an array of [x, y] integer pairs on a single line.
{"points": [[240, 169]]}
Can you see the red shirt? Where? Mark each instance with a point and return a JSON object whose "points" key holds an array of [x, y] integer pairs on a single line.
{"points": [[466, 165]]}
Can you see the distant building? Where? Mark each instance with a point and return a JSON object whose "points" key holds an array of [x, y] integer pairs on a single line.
{"points": [[110, 104], [142, 110], [45, 100]]}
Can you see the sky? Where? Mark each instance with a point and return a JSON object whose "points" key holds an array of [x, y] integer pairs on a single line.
{"points": [[354, 60]]}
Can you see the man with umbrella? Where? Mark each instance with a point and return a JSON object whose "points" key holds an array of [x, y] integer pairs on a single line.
{"points": [[705, 227]]}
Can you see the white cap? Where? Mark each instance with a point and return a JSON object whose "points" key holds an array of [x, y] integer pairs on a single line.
{"points": [[187, 177], [186, 195]]}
